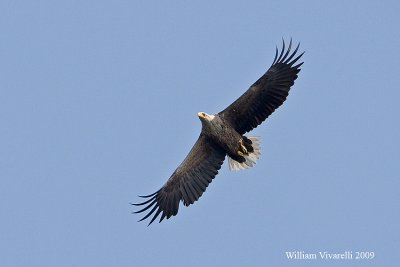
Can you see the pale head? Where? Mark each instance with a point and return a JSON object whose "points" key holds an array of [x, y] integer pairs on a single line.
{"points": [[205, 117]]}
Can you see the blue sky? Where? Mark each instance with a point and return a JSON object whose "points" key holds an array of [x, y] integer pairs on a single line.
{"points": [[98, 105]]}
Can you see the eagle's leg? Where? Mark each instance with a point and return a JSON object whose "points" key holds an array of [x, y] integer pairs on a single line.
{"points": [[244, 149]]}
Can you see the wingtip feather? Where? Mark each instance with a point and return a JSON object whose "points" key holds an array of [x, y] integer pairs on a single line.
{"points": [[282, 51]]}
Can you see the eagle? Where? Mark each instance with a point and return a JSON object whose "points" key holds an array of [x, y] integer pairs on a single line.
{"points": [[222, 135]]}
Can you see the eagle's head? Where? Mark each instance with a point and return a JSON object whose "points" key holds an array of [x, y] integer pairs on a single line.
{"points": [[205, 117]]}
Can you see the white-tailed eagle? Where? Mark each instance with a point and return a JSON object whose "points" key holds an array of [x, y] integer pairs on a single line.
{"points": [[222, 135]]}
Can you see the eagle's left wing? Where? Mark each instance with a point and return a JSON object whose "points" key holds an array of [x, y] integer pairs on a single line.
{"points": [[266, 94], [188, 182]]}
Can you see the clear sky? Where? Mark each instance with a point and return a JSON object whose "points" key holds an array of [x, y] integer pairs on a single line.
{"points": [[98, 104]]}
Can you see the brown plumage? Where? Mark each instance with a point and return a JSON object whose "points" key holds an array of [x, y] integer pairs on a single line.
{"points": [[222, 134]]}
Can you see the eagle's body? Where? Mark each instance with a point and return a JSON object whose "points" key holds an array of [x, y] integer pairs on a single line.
{"points": [[220, 132], [222, 135]]}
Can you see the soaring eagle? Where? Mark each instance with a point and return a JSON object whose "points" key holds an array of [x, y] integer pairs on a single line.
{"points": [[223, 134]]}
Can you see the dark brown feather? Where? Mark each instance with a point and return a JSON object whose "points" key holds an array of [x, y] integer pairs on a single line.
{"points": [[266, 94], [188, 182]]}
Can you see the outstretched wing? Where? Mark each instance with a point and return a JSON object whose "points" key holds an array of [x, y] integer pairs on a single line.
{"points": [[188, 182], [266, 94]]}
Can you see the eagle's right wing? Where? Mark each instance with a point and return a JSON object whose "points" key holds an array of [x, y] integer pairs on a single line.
{"points": [[188, 182]]}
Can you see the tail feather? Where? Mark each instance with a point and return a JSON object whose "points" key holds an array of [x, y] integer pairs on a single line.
{"points": [[251, 158]]}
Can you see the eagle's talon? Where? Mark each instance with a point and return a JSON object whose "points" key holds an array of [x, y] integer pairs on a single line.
{"points": [[244, 149]]}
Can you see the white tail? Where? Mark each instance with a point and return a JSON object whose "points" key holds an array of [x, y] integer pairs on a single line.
{"points": [[250, 159]]}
